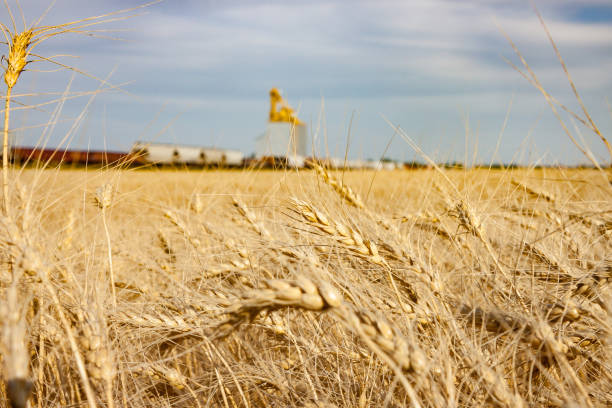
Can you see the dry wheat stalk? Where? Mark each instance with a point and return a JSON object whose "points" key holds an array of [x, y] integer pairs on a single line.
{"points": [[405, 354], [197, 245], [21, 50], [104, 199], [537, 335], [68, 232], [165, 245], [350, 196], [428, 222], [197, 204], [31, 262], [304, 294], [257, 225], [159, 320], [591, 289], [536, 194], [423, 217], [472, 224], [342, 189], [98, 356], [348, 236], [158, 372], [498, 388], [564, 311], [104, 196], [520, 223], [14, 348], [243, 253], [539, 254], [353, 240]]}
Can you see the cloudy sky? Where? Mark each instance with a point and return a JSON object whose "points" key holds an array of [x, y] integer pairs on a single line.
{"points": [[198, 72]]}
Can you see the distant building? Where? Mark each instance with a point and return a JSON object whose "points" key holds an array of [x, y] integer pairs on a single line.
{"points": [[286, 136], [282, 139]]}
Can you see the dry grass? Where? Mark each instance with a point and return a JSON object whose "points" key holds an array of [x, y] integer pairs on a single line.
{"points": [[255, 289]]}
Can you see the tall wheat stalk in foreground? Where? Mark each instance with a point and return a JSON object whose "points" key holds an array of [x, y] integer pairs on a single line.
{"points": [[21, 47]]}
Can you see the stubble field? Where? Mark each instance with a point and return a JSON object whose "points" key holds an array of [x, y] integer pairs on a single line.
{"points": [[312, 288]]}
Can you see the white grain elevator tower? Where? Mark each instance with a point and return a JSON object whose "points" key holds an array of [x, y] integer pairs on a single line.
{"points": [[285, 135]]}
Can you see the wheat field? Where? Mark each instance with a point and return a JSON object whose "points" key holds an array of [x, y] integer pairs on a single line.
{"points": [[310, 288]]}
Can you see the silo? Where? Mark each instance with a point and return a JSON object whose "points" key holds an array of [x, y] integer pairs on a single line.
{"points": [[283, 139]]}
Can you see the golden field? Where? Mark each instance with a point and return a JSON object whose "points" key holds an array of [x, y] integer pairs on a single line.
{"points": [[307, 288]]}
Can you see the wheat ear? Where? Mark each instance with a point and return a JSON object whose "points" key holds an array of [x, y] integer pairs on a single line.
{"points": [[353, 240], [21, 46], [342, 189], [302, 293], [98, 357], [257, 225]]}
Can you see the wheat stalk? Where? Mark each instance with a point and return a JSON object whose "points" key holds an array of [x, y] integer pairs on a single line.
{"points": [[98, 357], [353, 240], [304, 294], [15, 351], [536, 194], [165, 245], [104, 199], [180, 224], [31, 262], [257, 225], [342, 189], [21, 49]]}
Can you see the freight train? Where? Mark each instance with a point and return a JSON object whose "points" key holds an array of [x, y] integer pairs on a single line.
{"points": [[141, 154], [147, 154]]}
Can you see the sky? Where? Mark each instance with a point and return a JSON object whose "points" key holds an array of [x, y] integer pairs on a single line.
{"points": [[198, 72]]}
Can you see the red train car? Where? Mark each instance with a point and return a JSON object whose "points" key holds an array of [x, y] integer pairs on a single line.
{"points": [[24, 155]]}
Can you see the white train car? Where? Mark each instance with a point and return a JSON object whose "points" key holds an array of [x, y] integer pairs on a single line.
{"points": [[166, 153], [389, 165], [373, 165], [297, 162], [156, 152], [212, 157], [189, 155], [233, 158], [355, 164]]}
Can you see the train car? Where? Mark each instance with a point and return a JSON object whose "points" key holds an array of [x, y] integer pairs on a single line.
{"points": [[155, 153], [355, 164], [188, 155], [171, 154], [233, 158], [25, 155], [213, 157], [389, 165], [373, 165]]}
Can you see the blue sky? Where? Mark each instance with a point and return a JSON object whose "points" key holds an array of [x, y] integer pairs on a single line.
{"points": [[198, 72]]}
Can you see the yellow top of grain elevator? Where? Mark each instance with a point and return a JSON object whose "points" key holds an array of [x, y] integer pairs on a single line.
{"points": [[285, 113]]}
